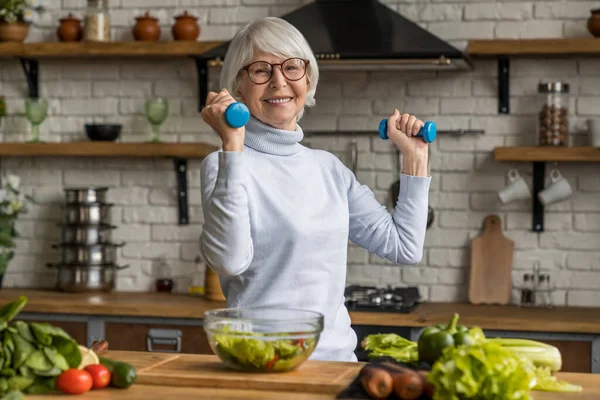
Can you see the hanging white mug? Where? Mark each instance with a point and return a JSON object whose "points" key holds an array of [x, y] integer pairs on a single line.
{"points": [[516, 189], [558, 190]]}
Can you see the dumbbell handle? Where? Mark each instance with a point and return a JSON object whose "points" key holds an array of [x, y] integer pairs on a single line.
{"points": [[428, 131], [237, 115]]}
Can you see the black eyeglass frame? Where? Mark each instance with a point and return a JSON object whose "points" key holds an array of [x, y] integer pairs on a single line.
{"points": [[306, 64]]}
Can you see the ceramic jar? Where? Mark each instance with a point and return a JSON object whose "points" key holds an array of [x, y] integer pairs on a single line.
{"points": [[70, 29], [593, 23], [186, 27], [146, 28]]}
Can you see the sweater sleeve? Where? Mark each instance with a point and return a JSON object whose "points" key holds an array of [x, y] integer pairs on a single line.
{"points": [[397, 237], [225, 242]]}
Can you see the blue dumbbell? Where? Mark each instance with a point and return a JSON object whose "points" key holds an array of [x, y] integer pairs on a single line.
{"points": [[237, 115], [428, 131]]}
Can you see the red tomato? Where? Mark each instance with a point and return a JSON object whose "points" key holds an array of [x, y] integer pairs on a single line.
{"points": [[100, 375], [74, 381]]}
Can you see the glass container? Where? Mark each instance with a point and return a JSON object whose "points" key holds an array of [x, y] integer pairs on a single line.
{"points": [[553, 122], [97, 21]]}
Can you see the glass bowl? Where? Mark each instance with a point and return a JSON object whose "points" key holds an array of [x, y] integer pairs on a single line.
{"points": [[263, 339]]}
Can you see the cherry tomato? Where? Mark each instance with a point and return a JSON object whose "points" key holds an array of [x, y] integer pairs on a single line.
{"points": [[100, 375], [74, 381]]}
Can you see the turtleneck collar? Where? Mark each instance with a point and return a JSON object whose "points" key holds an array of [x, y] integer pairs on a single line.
{"points": [[266, 139]]}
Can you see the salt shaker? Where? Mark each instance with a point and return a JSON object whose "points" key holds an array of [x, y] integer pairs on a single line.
{"points": [[545, 290], [528, 290]]}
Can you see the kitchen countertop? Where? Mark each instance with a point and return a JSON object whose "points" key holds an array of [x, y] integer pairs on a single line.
{"points": [[162, 305], [145, 362]]}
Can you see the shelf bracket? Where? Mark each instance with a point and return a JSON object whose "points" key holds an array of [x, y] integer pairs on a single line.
{"points": [[182, 190], [538, 185], [503, 85], [202, 70], [31, 69]]}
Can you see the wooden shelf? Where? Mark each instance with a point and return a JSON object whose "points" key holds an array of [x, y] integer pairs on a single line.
{"points": [[534, 47], [547, 154], [107, 149], [163, 49]]}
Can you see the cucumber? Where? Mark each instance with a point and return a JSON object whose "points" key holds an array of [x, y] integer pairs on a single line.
{"points": [[122, 374]]}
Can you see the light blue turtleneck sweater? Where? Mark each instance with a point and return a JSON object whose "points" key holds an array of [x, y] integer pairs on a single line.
{"points": [[277, 220]]}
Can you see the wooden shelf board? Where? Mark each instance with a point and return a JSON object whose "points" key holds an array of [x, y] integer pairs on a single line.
{"points": [[107, 149], [163, 49], [529, 154], [533, 47]]}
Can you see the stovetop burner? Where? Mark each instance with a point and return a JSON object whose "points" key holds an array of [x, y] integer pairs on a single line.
{"points": [[390, 299]]}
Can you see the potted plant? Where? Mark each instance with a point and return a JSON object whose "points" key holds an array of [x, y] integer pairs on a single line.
{"points": [[12, 204], [15, 18]]}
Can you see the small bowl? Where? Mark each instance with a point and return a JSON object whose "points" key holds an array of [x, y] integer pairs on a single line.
{"points": [[263, 339], [103, 132]]}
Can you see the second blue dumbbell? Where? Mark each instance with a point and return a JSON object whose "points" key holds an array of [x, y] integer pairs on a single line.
{"points": [[428, 131], [237, 115]]}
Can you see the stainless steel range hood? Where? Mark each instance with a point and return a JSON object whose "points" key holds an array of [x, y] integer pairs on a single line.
{"points": [[365, 35]]}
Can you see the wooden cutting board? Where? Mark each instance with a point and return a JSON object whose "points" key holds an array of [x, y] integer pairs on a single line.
{"points": [[491, 265], [199, 370]]}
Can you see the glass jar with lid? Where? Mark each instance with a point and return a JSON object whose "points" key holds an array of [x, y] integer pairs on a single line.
{"points": [[97, 21], [553, 122]]}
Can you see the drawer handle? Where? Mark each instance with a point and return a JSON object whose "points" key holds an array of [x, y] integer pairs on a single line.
{"points": [[164, 336]]}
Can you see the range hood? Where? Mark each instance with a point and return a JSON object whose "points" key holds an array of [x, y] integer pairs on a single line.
{"points": [[365, 34]]}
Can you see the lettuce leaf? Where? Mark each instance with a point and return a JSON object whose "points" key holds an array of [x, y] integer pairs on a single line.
{"points": [[391, 345], [481, 372]]}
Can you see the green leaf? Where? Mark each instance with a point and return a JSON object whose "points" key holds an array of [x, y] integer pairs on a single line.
{"points": [[8, 341], [69, 350], [42, 385], [42, 332], [3, 384], [24, 370], [57, 359], [19, 382], [38, 361], [54, 371], [10, 310], [13, 395], [6, 240], [7, 357], [24, 331], [23, 350]]}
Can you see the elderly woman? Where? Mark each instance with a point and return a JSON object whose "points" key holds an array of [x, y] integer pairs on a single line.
{"points": [[278, 215]]}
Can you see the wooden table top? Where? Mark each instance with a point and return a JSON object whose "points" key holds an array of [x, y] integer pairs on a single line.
{"points": [[147, 361], [161, 305]]}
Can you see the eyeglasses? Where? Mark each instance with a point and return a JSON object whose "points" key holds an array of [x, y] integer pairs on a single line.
{"points": [[260, 72]]}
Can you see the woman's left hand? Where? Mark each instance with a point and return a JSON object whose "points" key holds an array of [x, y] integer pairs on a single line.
{"points": [[401, 130]]}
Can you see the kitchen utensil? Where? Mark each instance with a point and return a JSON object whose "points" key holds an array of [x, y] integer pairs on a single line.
{"points": [[491, 265], [89, 213], [157, 111], [85, 278], [97, 254], [228, 328], [146, 28], [86, 194], [428, 131], [70, 29], [593, 22], [212, 285], [558, 190], [553, 117], [36, 111], [86, 234], [103, 132], [517, 188], [203, 370]]}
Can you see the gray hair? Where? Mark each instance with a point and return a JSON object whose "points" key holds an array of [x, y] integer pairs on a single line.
{"points": [[274, 36]]}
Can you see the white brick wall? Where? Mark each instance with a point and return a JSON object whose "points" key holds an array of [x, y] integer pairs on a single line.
{"points": [[465, 176]]}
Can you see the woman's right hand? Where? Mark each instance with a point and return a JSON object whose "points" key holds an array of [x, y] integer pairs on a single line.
{"points": [[214, 115]]}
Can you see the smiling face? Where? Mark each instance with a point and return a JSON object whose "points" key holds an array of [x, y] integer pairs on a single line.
{"points": [[278, 101]]}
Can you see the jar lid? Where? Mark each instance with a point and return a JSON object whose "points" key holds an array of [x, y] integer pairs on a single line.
{"points": [[69, 17], [553, 87], [186, 15]]}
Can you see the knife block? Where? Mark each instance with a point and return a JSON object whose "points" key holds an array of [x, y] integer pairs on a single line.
{"points": [[212, 286]]}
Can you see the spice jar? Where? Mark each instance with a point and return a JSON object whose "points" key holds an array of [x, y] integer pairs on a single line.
{"points": [[553, 123], [69, 29], [146, 28], [97, 21]]}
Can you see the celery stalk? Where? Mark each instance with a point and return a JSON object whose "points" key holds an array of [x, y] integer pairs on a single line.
{"points": [[540, 354]]}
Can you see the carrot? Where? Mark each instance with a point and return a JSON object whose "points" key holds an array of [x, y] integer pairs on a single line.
{"points": [[427, 387], [377, 382], [407, 383]]}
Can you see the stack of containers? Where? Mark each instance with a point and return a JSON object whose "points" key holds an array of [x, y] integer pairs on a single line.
{"points": [[88, 255]]}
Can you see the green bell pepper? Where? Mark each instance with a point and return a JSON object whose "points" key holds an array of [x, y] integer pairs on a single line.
{"points": [[435, 339]]}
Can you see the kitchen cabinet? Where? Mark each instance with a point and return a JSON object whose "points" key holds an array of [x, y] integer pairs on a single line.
{"points": [[156, 337], [576, 355]]}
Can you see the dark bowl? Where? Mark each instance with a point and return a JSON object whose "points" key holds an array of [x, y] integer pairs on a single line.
{"points": [[103, 132]]}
